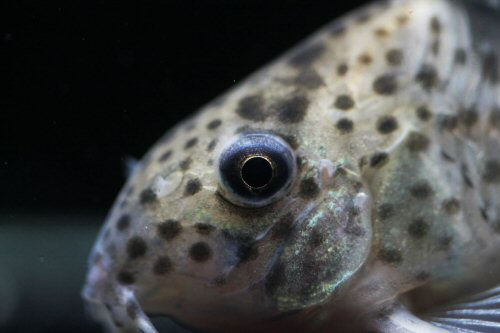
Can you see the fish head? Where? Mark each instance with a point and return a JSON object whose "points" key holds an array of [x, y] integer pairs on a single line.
{"points": [[225, 218]]}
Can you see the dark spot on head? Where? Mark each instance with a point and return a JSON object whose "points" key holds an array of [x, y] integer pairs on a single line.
{"points": [[385, 211], [123, 222], [423, 276], [365, 59], [394, 57], [204, 228], [490, 67], [214, 124], [275, 278], [212, 145], [342, 69], [162, 265], [423, 113], [185, 164], [421, 190], [451, 206], [402, 19], [468, 117], [190, 143], [460, 57], [418, 228], [136, 247], [447, 122], [427, 77], [193, 186], [345, 125], [309, 189], [385, 84], [417, 142], [251, 108], [309, 79], [165, 156], [283, 227], [491, 173], [169, 229], [381, 32], [307, 55], [344, 102], [292, 110], [147, 196], [125, 277], [390, 255], [435, 25], [200, 252], [386, 124], [379, 159]]}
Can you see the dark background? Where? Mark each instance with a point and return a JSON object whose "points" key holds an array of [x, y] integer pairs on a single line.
{"points": [[88, 83]]}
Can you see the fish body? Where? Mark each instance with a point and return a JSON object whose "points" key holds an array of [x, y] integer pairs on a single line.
{"points": [[350, 185]]}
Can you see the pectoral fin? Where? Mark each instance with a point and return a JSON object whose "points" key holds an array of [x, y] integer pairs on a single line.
{"points": [[477, 314], [397, 319]]}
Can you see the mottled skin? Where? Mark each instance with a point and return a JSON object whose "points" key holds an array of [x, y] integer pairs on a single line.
{"points": [[393, 114]]}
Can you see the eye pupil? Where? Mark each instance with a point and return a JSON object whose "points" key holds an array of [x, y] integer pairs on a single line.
{"points": [[256, 169], [257, 172]]}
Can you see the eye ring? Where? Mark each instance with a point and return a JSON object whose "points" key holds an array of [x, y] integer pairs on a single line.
{"points": [[256, 169]]}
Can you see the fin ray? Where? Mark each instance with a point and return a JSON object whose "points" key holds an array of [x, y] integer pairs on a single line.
{"points": [[477, 314]]}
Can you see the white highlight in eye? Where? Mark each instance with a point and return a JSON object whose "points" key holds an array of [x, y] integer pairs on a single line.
{"points": [[163, 186]]}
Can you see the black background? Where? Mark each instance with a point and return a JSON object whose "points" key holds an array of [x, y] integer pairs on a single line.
{"points": [[89, 83]]}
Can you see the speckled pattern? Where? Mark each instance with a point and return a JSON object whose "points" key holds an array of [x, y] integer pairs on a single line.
{"points": [[392, 113]]}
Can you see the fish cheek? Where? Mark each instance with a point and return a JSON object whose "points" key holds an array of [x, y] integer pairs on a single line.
{"points": [[323, 251]]}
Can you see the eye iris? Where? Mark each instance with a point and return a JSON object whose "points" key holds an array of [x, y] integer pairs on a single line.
{"points": [[257, 172]]}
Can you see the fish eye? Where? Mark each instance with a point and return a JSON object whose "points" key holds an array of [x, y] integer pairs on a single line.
{"points": [[256, 169]]}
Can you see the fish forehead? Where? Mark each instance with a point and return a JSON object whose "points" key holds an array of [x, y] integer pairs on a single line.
{"points": [[312, 90], [369, 93]]}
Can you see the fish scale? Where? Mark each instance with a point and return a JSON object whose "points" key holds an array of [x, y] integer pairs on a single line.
{"points": [[383, 127]]}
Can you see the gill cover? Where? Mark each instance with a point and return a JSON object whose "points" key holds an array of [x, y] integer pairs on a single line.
{"points": [[327, 246]]}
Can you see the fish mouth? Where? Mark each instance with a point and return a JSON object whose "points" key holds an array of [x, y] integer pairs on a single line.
{"points": [[115, 306]]}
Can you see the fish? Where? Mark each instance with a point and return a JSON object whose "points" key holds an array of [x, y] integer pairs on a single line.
{"points": [[352, 185]]}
